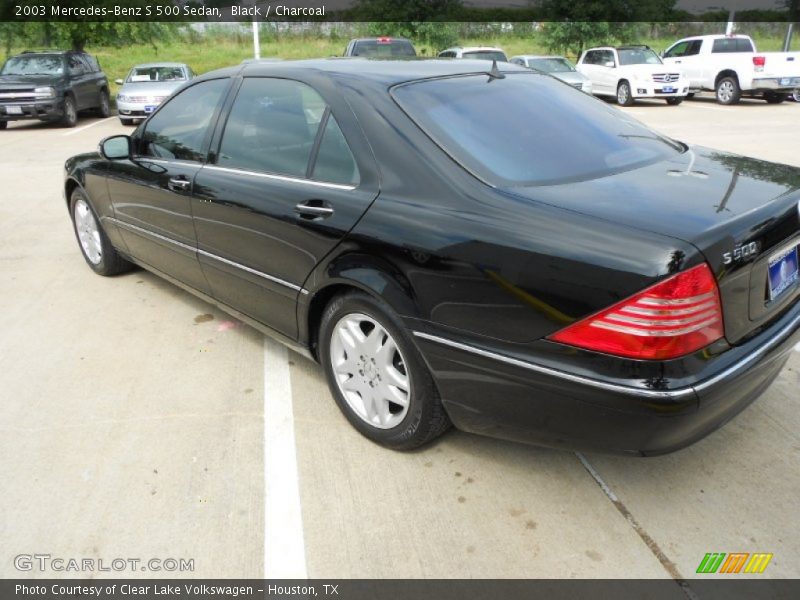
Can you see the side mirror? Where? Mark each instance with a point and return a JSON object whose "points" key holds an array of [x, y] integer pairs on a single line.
{"points": [[661, 54], [609, 63], [116, 147], [118, 81]]}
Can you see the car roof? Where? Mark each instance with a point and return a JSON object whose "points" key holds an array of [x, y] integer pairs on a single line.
{"points": [[158, 64], [387, 72]]}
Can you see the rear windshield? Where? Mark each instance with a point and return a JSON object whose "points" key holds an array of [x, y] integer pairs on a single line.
{"points": [[485, 55], [528, 129], [34, 65], [379, 48]]}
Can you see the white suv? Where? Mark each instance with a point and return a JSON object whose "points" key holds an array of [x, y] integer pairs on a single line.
{"points": [[479, 52], [631, 72]]}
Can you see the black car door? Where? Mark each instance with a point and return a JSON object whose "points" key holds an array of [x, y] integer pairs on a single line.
{"points": [[285, 186], [151, 193]]}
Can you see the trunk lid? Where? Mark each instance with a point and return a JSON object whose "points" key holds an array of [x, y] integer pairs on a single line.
{"points": [[741, 213]]}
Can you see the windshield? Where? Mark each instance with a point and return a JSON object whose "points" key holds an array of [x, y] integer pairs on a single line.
{"points": [[486, 55], [528, 129], [381, 48], [638, 56], [551, 65], [142, 74], [34, 65]]}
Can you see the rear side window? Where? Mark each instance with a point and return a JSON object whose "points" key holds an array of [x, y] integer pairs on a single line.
{"points": [[334, 162], [546, 132], [272, 127], [732, 45], [179, 129]]}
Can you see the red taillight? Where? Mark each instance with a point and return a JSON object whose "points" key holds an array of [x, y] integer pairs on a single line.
{"points": [[759, 62], [673, 318]]}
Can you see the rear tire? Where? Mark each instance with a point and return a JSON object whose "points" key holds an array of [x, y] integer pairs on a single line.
{"points": [[95, 246], [3, 124], [376, 374], [70, 118], [728, 91], [774, 97], [104, 108], [674, 101], [624, 95], [690, 95]]}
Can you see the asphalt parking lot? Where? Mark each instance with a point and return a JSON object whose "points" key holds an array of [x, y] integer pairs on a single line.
{"points": [[139, 422]]}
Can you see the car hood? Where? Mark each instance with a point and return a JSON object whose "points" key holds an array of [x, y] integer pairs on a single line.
{"points": [[147, 88], [571, 77], [687, 197], [17, 81], [648, 70]]}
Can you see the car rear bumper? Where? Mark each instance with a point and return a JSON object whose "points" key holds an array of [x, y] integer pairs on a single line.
{"points": [[776, 84], [498, 396], [44, 110]]}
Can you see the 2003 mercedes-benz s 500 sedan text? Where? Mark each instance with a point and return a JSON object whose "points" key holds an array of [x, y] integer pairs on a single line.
{"points": [[457, 242]]}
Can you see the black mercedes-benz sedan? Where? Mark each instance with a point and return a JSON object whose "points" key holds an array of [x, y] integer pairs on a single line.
{"points": [[465, 243]]}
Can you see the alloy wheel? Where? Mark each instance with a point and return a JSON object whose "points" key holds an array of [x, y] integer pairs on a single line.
{"points": [[88, 232], [370, 371]]}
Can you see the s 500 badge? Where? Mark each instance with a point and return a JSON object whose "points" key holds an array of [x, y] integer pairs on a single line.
{"points": [[741, 253]]}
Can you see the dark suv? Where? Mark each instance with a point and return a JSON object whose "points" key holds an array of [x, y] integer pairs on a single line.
{"points": [[381, 47], [52, 86]]}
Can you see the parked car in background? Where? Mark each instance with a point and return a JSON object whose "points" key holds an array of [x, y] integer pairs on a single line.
{"points": [[630, 72], [731, 67], [455, 244], [381, 47], [557, 66], [147, 86], [475, 52], [52, 86]]}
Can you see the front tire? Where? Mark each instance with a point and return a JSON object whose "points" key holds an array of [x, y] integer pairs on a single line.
{"points": [[128, 122], [95, 246], [796, 95], [624, 95], [3, 124], [70, 117], [377, 376], [728, 91], [674, 101]]}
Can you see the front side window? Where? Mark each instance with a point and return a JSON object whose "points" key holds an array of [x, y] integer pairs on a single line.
{"points": [[179, 129], [638, 56], [592, 58], [546, 132], [679, 49], [76, 66], [272, 127]]}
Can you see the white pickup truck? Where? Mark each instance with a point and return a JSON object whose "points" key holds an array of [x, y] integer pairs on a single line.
{"points": [[730, 66]]}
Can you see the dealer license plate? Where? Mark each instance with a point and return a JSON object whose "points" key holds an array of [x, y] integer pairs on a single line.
{"points": [[13, 110], [786, 81], [667, 89], [783, 272], [149, 109]]}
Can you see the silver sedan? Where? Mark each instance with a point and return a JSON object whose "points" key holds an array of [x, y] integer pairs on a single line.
{"points": [[147, 86], [558, 67]]}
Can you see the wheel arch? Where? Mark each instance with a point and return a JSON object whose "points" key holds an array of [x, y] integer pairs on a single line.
{"points": [[723, 74], [368, 274]]}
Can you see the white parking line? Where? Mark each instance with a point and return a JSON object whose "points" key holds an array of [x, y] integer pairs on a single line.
{"points": [[284, 548], [85, 127]]}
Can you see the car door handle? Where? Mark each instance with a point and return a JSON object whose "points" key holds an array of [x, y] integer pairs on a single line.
{"points": [[313, 209], [179, 184]]}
